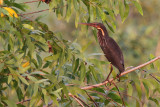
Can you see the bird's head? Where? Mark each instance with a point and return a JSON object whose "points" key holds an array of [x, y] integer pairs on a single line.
{"points": [[98, 26]]}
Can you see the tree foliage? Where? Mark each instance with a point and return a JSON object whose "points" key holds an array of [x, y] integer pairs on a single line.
{"points": [[38, 66]]}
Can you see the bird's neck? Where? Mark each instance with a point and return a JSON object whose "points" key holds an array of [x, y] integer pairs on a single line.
{"points": [[102, 32]]}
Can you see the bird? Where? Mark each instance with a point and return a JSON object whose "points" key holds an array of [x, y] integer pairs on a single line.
{"points": [[110, 48]]}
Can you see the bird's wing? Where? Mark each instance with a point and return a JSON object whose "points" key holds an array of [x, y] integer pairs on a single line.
{"points": [[115, 53]]}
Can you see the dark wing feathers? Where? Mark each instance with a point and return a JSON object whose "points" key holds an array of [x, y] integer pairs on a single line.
{"points": [[113, 53]]}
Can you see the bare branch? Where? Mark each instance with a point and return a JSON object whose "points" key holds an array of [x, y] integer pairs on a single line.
{"points": [[92, 99], [41, 11], [153, 77], [76, 99], [32, 1], [82, 101], [23, 101], [123, 73], [107, 98]]}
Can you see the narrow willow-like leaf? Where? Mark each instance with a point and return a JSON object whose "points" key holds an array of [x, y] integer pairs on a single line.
{"points": [[139, 90], [126, 12], [146, 86], [129, 89], [39, 59], [9, 78], [10, 103], [1, 66], [82, 72], [138, 6], [23, 80]]}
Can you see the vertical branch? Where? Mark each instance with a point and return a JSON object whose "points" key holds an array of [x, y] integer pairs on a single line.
{"points": [[92, 99]]}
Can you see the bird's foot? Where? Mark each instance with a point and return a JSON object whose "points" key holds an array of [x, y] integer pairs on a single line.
{"points": [[118, 76]]}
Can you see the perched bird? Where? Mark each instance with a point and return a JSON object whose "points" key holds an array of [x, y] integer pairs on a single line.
{"points": [[46, 1], [110, 48]]}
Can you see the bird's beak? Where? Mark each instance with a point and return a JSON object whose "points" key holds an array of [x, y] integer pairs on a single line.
{"points": [[90, 24]]}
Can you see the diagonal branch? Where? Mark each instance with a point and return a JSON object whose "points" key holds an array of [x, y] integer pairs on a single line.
{"points": [[41, 10], [76, 99], [123, 73], [96, 105]]}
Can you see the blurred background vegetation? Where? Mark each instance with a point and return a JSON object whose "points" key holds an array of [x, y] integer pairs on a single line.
{"points": [[138, 36]]}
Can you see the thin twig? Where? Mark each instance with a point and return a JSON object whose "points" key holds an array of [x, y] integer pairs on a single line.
{"points": [[33, 12], [26, 18], [23, 101], [92, 99], [41, 10], [119, 94], [123, 73], [32, 1], [129, 96], [82, 101], [107, 98], [76, 99], [153, 77]]}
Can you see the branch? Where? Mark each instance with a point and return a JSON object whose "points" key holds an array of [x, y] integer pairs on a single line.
{"points": [[32, 1], [123, 73], [23, 101], [41, 11], [107, 98], [76, 99], [96, 105], [153, 77]]}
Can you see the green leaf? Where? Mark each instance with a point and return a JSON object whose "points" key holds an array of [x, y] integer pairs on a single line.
{"points": [[23, 80], [46, 98], [39, 60], [42, 80], [35, 89], [39, 38], [53, 57], [115, 97], [28, 26], [138, 6], [154, 100], [32, 78], [137, 104], [126, 12], [146, 86], [30, 45], [10, 103], [75, 65], [121, 8], [129, 89], [139, 90], [12, 61], [94, 73], [9, 78], [82, 72], [15, 74], [52, 78], [19, 93], [77, 18], [56, 92], [54, 99], [110, 27], [1, 66]]}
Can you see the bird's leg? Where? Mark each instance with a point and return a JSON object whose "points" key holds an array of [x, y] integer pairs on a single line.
{"points": [[111, 69]]}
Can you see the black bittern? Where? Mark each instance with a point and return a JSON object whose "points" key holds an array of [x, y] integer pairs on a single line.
{"points": [[110, 48]]}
